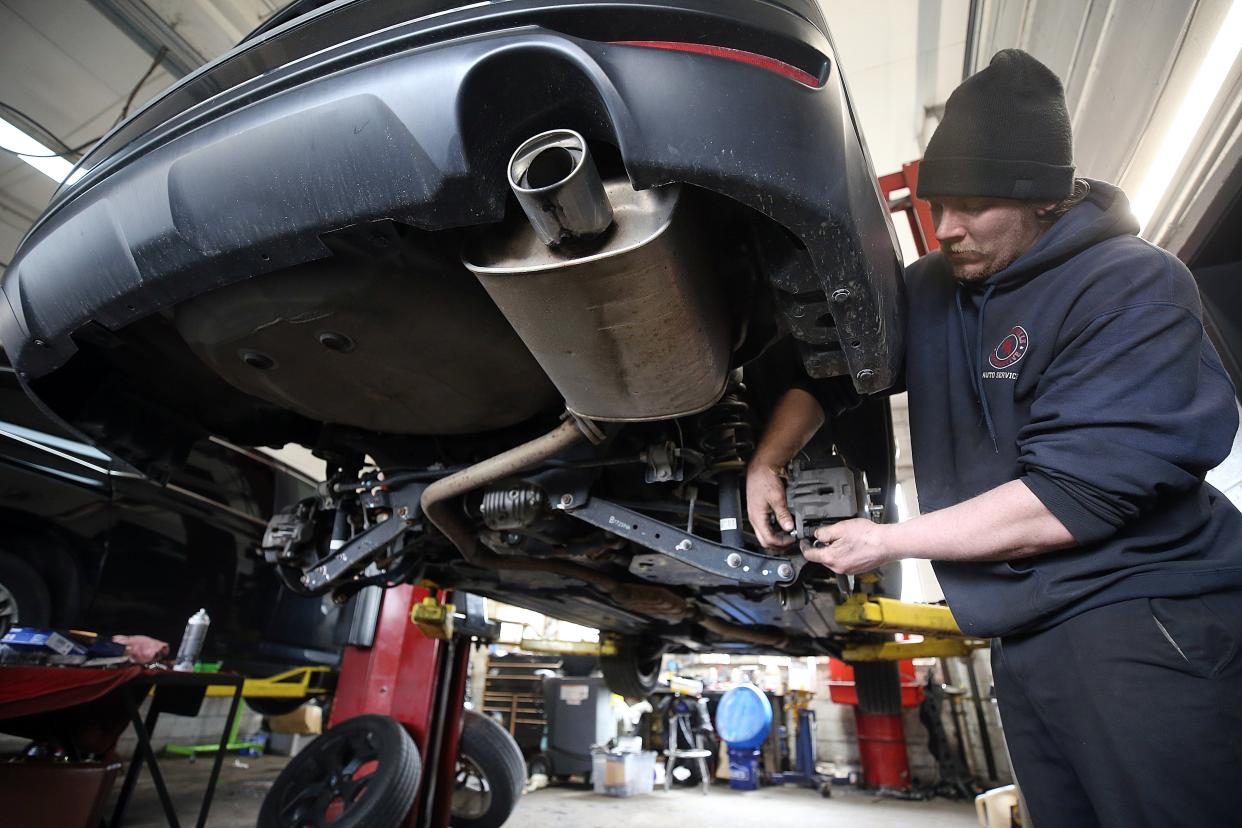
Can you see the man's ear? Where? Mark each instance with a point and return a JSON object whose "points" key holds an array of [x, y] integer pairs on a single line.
{"points": [[1043, 210]]}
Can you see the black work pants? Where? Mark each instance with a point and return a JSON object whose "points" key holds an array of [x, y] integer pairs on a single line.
{"points": [[1128, 715]]}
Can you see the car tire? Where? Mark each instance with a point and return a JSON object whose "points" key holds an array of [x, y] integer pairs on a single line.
{"points": [[490, 774], [379, 797], [579, 666], [24, 597], [48, 555], [274, 707], [878, 685], [634, 671]]}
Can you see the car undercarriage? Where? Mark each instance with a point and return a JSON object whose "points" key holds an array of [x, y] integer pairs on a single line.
{"points": [[533, 307]]}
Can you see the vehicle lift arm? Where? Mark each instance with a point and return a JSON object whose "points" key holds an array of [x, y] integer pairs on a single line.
{"points": [[942, 638]]}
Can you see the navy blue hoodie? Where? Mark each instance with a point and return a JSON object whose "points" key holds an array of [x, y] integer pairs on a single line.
{"points": [[1083, 370]]}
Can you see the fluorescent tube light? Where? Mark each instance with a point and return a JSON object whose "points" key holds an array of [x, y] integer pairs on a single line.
{"points": [[35, 154], [1189, 118]]}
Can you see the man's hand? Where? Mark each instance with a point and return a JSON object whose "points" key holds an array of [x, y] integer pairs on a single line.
{"points": [[794, 421], [141, 649], [765, 494], [850, 547]]}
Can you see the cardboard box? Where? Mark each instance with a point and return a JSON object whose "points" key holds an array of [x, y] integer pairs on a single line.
{"points": [[306, 719], [29, 638], [614, 773], [288, 744]]}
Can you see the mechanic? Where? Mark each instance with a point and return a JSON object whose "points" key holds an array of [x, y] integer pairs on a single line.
{"points": [[1065, 405]]}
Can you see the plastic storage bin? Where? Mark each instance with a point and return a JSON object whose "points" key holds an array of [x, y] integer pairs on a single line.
{"points": [[997, 807], [623, 774]]}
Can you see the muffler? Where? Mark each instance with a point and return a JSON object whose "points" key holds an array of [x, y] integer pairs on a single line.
{"points": [[609, 287]]}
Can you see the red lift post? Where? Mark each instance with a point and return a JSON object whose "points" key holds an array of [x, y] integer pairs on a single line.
{"points": [[881, 736], [420, 682], [918, 211]]}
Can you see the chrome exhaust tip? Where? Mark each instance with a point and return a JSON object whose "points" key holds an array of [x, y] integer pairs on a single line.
{"points": [[559, 188]]}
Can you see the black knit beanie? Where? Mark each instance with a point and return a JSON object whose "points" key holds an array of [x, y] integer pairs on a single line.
{"points": [[1005, 134]]}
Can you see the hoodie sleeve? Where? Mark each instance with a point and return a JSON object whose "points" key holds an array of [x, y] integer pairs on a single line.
{"points": [[1134, 408]]}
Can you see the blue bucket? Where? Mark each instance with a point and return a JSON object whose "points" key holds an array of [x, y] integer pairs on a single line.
{"points": [[743, 769], [743, 719]]}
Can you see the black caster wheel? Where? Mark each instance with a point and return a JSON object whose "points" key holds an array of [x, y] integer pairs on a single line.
{"points": [[490, 774], [363, 773]]}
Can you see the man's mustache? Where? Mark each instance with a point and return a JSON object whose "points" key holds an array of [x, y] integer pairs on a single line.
{"points": [[962, 248]]}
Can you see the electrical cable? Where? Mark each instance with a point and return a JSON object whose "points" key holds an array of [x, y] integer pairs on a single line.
{"points": [[47, 133], [594, 464], [129, 101]]}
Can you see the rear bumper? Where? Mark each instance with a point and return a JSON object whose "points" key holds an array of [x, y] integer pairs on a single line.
{"points": [[414, 124]]}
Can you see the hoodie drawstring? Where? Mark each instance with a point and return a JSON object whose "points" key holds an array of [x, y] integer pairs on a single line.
{"points": [[974, 360]]}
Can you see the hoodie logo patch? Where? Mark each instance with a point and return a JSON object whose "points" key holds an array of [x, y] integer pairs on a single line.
{"points": [[1011, 349]]}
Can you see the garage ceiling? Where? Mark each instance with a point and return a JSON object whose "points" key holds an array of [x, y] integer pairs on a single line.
{"points": [[71, 65]]}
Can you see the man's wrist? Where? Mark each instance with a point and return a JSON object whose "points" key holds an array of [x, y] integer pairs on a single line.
{"points": [[900, 541], [770, 460]]}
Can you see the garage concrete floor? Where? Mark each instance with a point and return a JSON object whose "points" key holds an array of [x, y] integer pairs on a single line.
{"points": [[241, 792], [766, 808]]}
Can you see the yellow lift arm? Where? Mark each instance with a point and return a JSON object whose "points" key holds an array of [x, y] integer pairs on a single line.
{"points": [[942, 637], [606, 647], [297, 683]]}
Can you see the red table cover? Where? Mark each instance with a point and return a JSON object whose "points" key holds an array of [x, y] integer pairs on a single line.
{"points": [[26, 691]]}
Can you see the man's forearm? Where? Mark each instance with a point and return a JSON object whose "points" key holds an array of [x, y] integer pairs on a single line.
{"points": [[794, 421], [1005, 523]]}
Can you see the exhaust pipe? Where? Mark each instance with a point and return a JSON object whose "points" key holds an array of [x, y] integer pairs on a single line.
{"points": [[559, 188], [764, 638], [437, 499]]}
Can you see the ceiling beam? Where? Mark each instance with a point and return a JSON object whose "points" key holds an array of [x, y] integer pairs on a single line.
{"points": [[152, 33]]}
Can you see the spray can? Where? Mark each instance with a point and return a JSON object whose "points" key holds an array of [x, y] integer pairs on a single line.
{"points": [[192, 641]]}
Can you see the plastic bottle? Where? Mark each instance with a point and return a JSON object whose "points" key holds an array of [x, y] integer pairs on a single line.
{"points": [[192, 641]]}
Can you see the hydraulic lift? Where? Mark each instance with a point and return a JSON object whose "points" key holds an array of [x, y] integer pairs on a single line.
{"points": [[414, 670]]}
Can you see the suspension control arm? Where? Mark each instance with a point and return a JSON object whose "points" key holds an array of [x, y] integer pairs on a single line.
{"points": [[363, 548], [725, 562]]}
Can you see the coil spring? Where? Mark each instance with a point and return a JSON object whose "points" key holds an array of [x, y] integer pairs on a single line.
{"points": [[726, 434]]}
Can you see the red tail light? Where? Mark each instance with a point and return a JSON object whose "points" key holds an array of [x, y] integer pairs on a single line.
{"points": [[762, 61]]}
